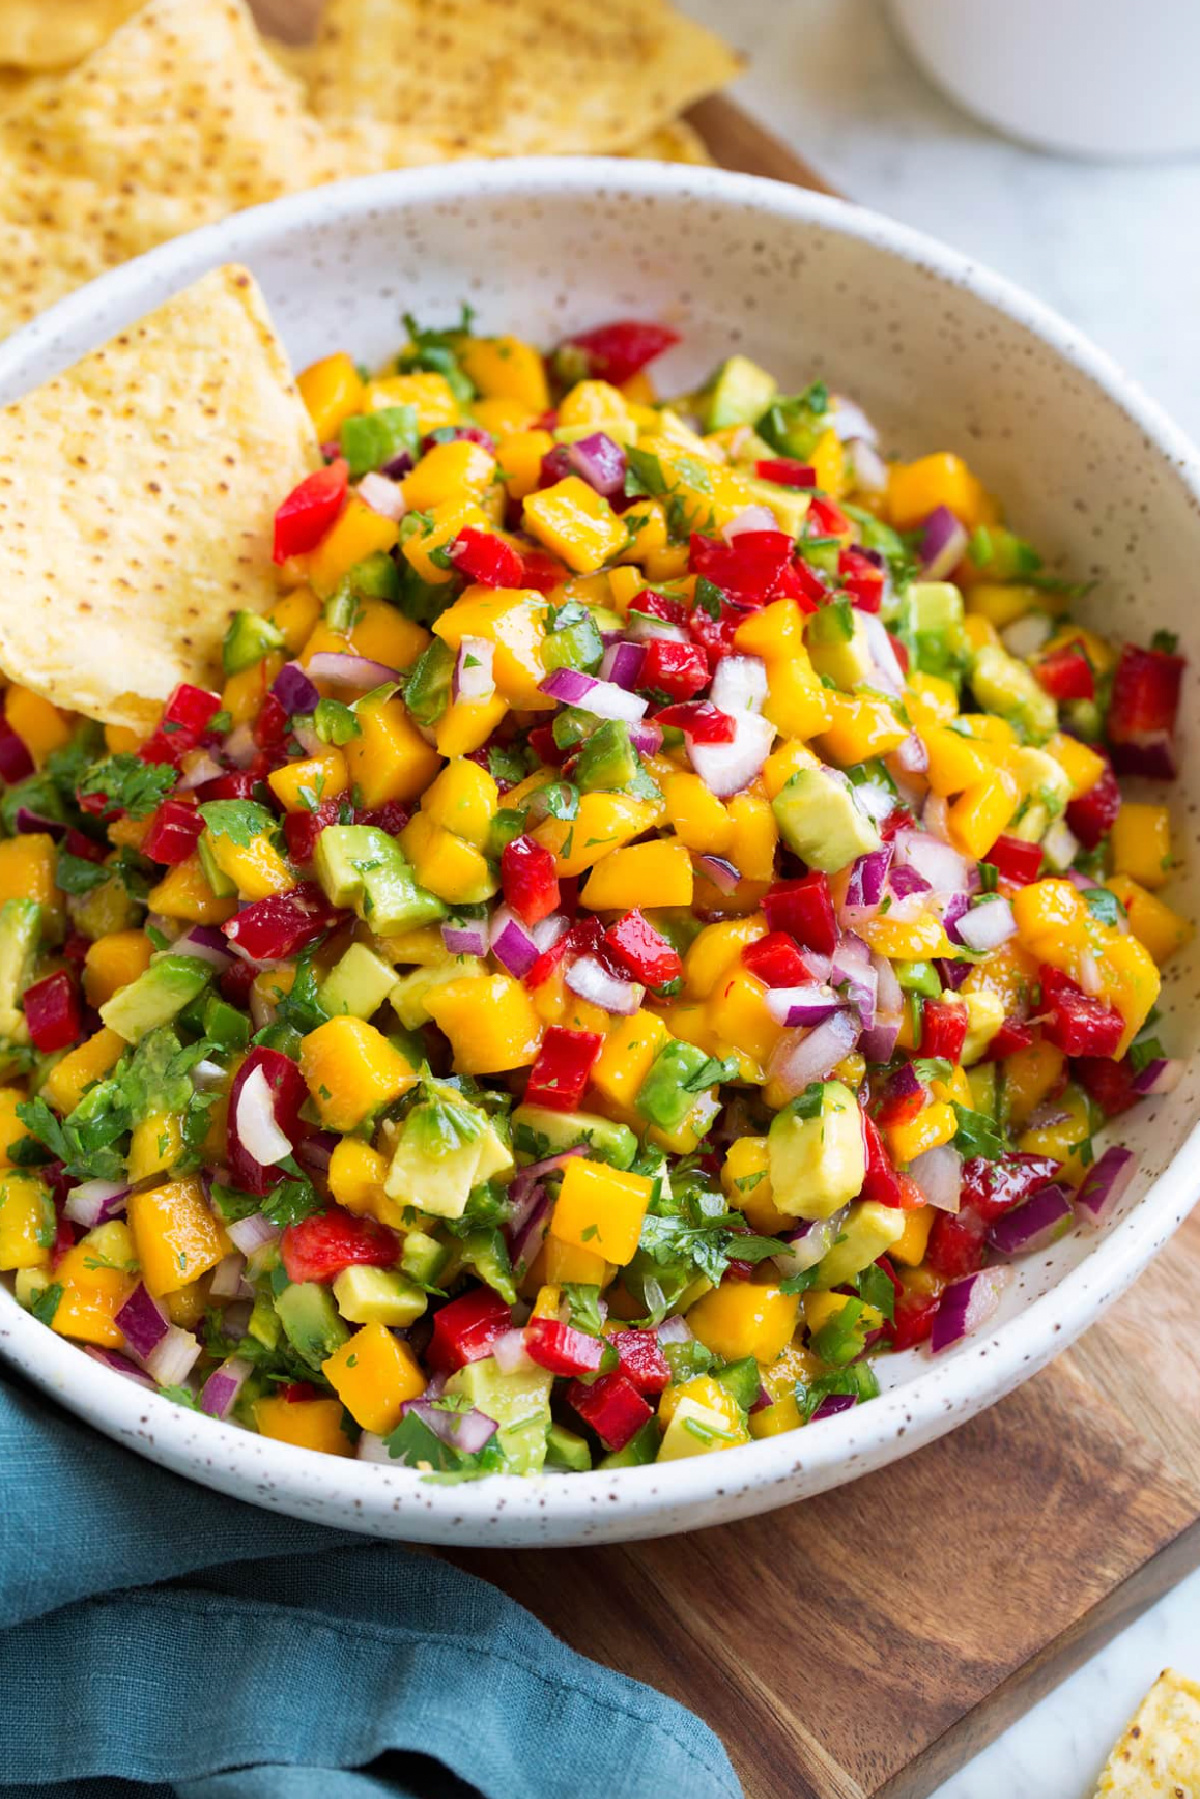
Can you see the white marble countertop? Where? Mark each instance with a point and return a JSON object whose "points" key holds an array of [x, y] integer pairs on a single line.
{"points": [[1111, 247]]}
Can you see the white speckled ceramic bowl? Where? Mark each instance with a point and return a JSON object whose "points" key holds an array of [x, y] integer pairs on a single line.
{"points": [[943, 355]]}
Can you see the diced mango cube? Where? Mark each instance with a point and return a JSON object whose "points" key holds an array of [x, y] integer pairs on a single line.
{"points": [[175, 1234], [351, 1070], [373, 1373], [390, 760], [741, 1318], [490, 1020], [332, 389], [658, 873], [601, 1209], [305, 1423], [574, 522]]}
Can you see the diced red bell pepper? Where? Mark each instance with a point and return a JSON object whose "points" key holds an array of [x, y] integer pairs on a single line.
{"points": [[1091, 816], [1066, 674], [825, 519], [801, 582], [288, 1093], [77, 843], [912, 1323], [296, 1391], [943, 1029], [1015, 861], [1014, 1035], [173, 833], [76, 947], [804, 908], [862, 578], [643, 951], [191, 708], [234, 784], [880, 1182], [679, 670], [901, 1106], [615, 351], [52, 1012], [561, 1348], [1078, 1024], [486, 558], [715, 635], [956, 1243], [1109, 1083], [661, 605], [283, 924], [320, 1246], [542, 571], [900, 650], [642, 1360], [548, 961], [391, 817], [1143, 710], [16, 764], [541, 742], [465, 1329], [559, 1076], [235, 983], [989, 1189], [785, 471], [748, 569], [556, 466], [898, 819], [776, 960], [271, 725], [612, 1406], [301, 830], [311, 509], [699, 720], [528, 879], [161, 749]]}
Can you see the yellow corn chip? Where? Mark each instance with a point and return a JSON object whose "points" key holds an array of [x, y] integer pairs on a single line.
{"points": [[677, 141], [50, 34], [13, 83], [1159, 1755], [511, 77], [137, 493], [181, 117]]}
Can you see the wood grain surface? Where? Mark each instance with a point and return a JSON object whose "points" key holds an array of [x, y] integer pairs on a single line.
{"points": [[863, 1645]]}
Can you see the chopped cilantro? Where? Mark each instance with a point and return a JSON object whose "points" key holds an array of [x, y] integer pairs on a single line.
{"points": [[977, 1134], [242, 821], [128, 784]]}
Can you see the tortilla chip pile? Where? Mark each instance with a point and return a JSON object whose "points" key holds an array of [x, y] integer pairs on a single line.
{"points": [[137, 493], [120, 128], [1159, 1755]]}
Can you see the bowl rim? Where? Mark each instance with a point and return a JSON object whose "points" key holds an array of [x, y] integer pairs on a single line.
{"points": [[968, 1378]]}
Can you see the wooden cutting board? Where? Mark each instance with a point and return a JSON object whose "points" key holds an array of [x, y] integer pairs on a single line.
{"points": [[865, 1644]]}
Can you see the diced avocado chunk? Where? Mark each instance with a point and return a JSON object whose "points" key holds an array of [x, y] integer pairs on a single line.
{"points": [[363, 867], [164, 989], [408, 994], [789, 504], [487, 1253], [838, 645], [868, 1232], [821, 822], [249, 638], [310, 1321], [669, 1091], [641, 1448], [265, 1326], [1004, 685], [574, 646], [608, 761], [567, 1449], [742, 1379], [739, 394], [446, 1147], [20, 925], [520, 1404], [427, 691], [378, 1296], [538, 1131], [359, 983], [107, 908], [223, 885], [697, 1429], [932, 621], [422, 1257], [816, 1162]]}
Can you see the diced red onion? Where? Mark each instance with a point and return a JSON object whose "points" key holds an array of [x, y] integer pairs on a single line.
{"points": [[906, 881], [987, 925], [173, 1358], [295, 690], [646, 737], [800, 1058], [112, 1358], [1078, 879], [28, 821], [911, 755], [512, 943], [954, 909], [941, 866], [832, 1404], [943, 544], [341, 669], [141, 1322], [938, 1173], [1060, 846], [235, 1319], [473, 676], [1035, 1225], [622, 663], [952, 974], [372, 1448], [849, 420], [249, 1234], [879, 1042], [223, 1385], [1090, 978], [675, 1330], [851, 966], [804, 1248], [308, 737], [525, 1244], [739, 684], [262, 1010], [725, 768], [1104, 1185], [227, 1277], [801, 1005], [602, 698], [966, 1304], [599, 461], [255, 1124], [889, 676], [511, 1354], [935, 816], [548, 930], [591, 981], [644, 628], [315, 1151], [206, 944], [16, 764], [1025, 636], [197, 767], [865, 888], [240, 748], [383, 496], [867, 466], [466, 937], [95, 1202], [469, 1431], [1159, 1076], [750, 518], [723, 874]]}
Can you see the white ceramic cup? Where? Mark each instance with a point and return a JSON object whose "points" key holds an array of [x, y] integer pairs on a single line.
{"points": [[1102, 78]]}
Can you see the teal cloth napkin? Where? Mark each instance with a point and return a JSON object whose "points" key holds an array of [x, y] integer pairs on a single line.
{"points": [[158, 1640]]}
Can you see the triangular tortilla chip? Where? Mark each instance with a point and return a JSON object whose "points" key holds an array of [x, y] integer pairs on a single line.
{"points": [[137, 493], [52, 34], [514, 77], [677, 141], [1159, 1755]]}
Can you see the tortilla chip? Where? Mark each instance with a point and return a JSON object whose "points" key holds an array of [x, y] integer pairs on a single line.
{"points": [[137, 493], [13, 83], [51, 34], [181, 117], [676, 141], [513, 77], [1159, 1755]]}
